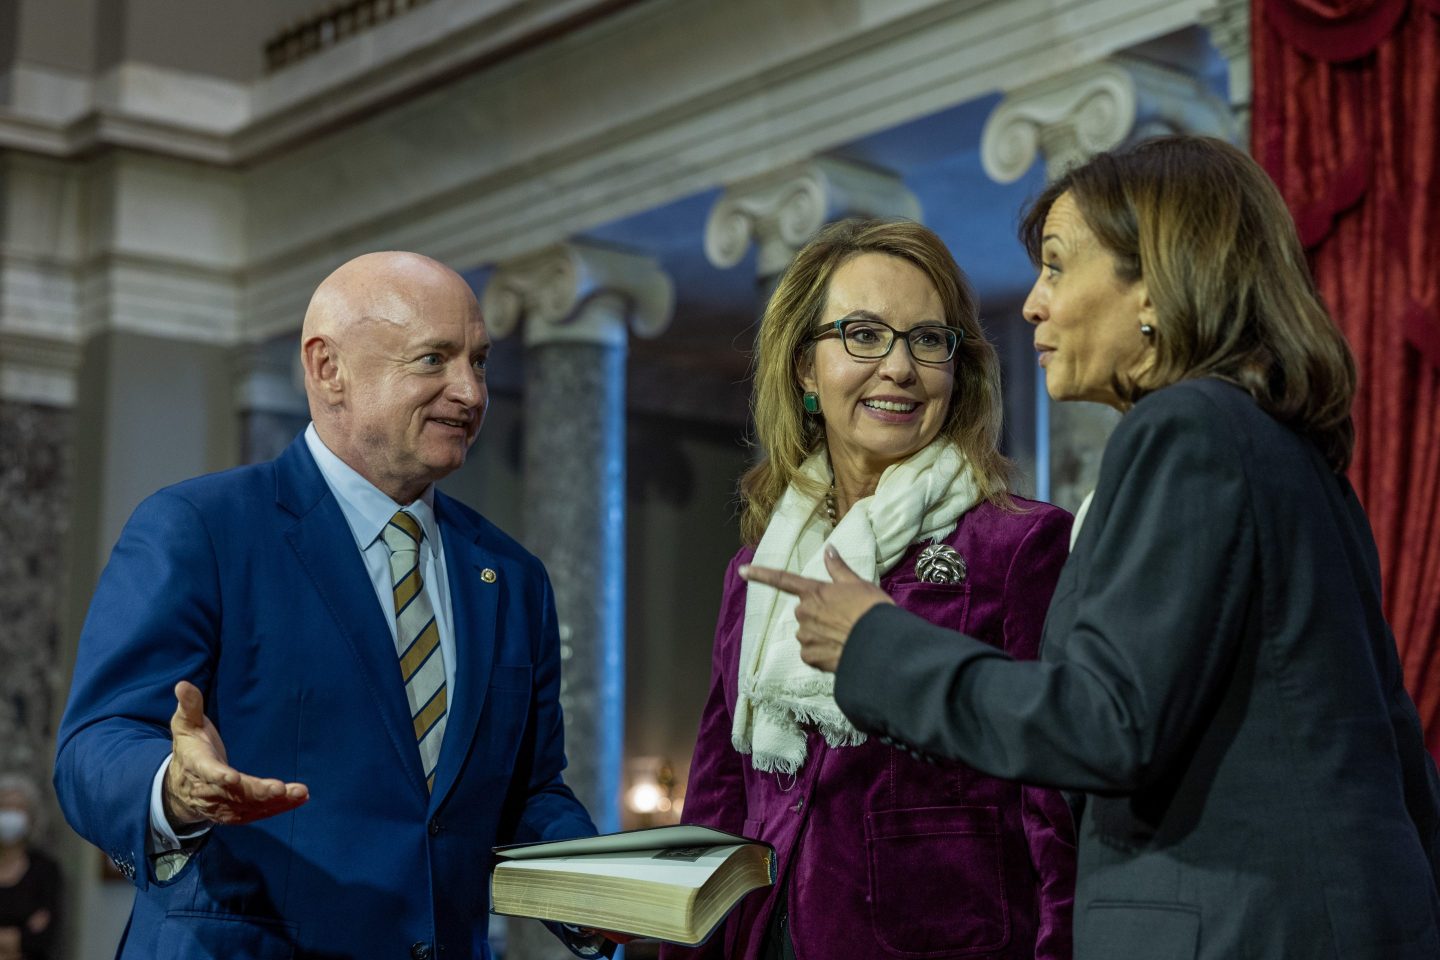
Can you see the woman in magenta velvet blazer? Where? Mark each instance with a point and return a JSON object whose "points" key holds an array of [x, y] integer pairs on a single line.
{"points": [[885, 450]]}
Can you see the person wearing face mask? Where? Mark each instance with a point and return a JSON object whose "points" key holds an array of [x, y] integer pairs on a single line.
{"points": [[877, 410], [29, 880]]}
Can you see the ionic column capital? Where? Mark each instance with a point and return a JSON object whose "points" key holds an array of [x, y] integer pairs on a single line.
{"points": [[782, 210], [1077, 114], [580, 293]]}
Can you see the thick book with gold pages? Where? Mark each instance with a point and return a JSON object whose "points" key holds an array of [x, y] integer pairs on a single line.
{"points": [[670, 883]]}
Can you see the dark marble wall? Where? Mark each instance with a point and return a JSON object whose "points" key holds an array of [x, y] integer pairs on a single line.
{"points": [[36, 473]]}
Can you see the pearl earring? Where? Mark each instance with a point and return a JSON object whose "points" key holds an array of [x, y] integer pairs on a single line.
{"points": [[1146, 330]]}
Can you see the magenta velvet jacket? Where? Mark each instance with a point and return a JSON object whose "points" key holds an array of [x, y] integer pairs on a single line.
{"points": [[882, 854]]}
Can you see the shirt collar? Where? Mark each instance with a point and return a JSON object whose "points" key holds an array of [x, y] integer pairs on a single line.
{"points": [[365, 507]]}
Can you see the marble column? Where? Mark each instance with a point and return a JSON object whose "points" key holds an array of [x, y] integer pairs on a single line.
{"points": [[1064, 120], [780, 211], [578, 304], [1229, 24]]}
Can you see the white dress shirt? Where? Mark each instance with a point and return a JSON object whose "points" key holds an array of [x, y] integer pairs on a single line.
{"points": [[367, 510]]}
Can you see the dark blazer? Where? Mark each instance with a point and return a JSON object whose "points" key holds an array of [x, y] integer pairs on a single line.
{"points": [[882, 854], [1218, 680], [249, 584]]}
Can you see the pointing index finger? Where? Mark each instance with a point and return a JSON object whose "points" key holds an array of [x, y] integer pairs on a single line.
{"points": [[779, 579]]}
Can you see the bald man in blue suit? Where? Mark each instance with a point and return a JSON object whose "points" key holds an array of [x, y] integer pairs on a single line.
{"points": [[243, 736]]}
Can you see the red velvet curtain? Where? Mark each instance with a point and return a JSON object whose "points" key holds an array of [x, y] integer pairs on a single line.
{"points": [[1347, 121]]}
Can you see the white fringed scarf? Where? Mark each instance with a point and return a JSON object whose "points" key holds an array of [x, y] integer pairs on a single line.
{"points": [[919, 498]]}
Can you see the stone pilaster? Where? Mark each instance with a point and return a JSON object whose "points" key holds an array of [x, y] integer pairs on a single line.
{"points": [[1065, 120], [780, 211], [578, 304]]}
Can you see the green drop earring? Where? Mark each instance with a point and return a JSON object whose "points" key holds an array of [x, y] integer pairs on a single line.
{"points": [[811, 402]]}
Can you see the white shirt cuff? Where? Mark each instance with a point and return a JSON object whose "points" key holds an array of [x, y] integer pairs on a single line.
{"points": [[163, 837]]}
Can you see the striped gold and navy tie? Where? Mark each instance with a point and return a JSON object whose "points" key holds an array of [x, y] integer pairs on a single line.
{"points": [[417, 640]]}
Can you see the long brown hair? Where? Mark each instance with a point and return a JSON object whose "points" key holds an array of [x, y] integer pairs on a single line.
{"points": [[786, 436], [1209, 233]]}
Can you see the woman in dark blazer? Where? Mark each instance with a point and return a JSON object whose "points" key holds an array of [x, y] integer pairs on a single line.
{"points": [[877, 407], [1217, 684]]}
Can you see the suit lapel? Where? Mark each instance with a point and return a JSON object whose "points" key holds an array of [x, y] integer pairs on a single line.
{"points": [[323, 543], [474, 603]]}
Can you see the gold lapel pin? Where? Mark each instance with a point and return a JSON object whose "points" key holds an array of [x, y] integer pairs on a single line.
{"points": [[487, 575]]}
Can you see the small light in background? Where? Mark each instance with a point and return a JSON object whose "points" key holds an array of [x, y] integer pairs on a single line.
{"points": [[646, 798], [650, 798]]}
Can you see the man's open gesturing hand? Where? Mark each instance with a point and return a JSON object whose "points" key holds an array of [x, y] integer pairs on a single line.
{"points": [[200, 787], [827, 611]]}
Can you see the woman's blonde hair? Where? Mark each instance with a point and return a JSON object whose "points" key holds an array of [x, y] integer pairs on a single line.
{"points": [[1209, 233], [787, 436]]}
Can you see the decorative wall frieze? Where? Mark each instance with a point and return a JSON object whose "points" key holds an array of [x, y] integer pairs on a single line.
{"points": [[578, 292], [1072, 116], [41, 297], [160, 299], [51, 97], [133, 243], [38, 370], [782, 210], [70, 302], [50, 306]]}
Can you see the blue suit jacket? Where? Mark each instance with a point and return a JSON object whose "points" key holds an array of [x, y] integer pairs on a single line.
{"points": [[248, 583]]}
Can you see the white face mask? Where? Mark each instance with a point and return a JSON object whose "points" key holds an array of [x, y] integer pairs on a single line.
{"points": [[14, 825]]}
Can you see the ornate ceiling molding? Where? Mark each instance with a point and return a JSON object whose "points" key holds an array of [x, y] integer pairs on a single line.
{"points": [[143, 106], [534, 148]]}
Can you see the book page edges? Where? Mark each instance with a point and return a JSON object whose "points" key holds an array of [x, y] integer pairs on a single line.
{"points": [[615, 909]]}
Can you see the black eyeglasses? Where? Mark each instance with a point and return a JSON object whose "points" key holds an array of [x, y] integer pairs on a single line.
{"points": [[866, 339]]}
